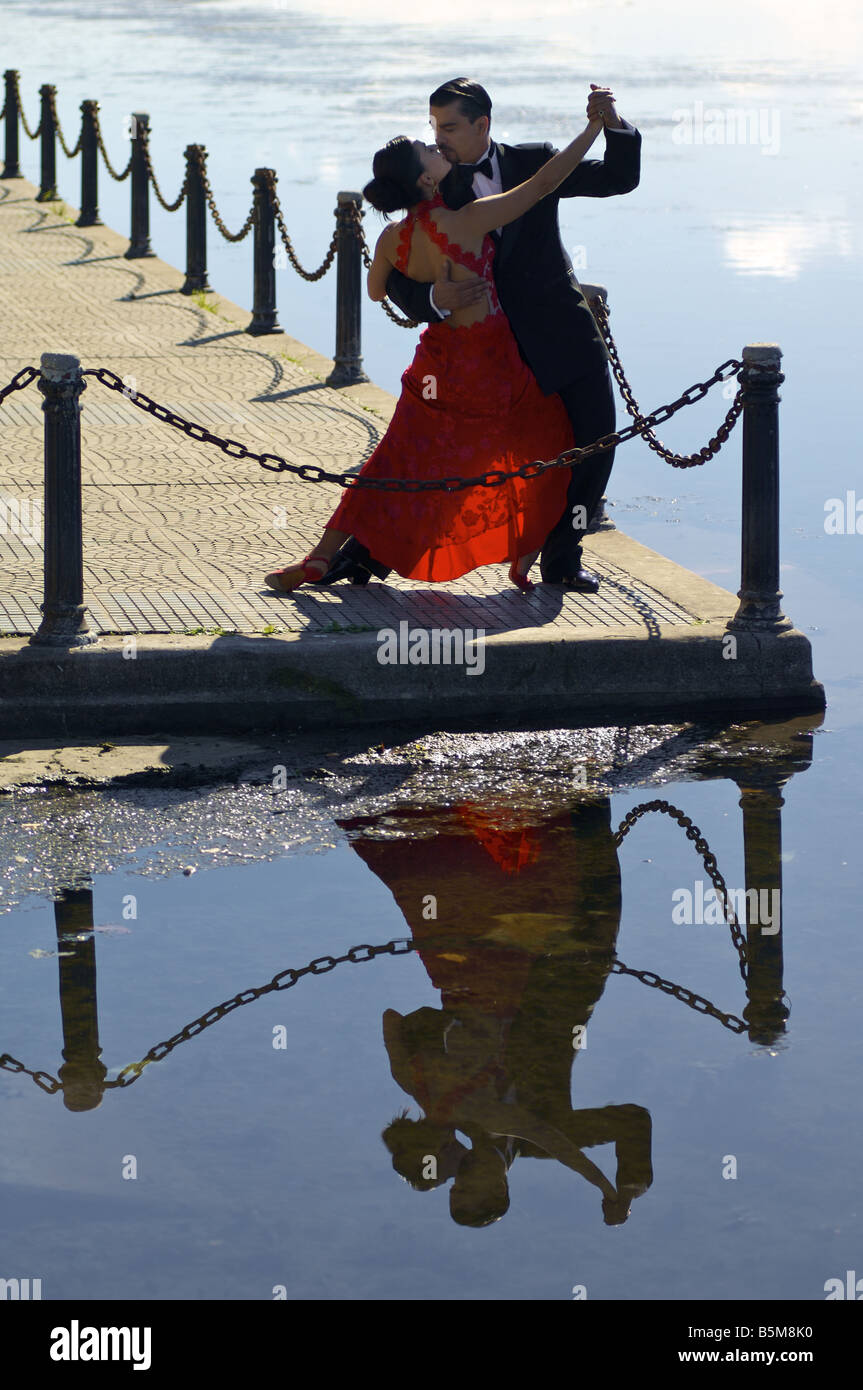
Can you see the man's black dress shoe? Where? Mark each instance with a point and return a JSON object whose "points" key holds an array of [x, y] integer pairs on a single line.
{"points": [[353, 562], [582, 580]]}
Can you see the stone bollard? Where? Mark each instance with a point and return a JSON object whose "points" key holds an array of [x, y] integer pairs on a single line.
{"points": [[64, 620], [196, 223], [759, 592], [264, 318], [348, 368], [11, 168], [89, 215], [139, 241]]}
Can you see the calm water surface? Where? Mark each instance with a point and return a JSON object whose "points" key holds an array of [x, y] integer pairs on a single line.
{"points": [[262, 1165]]}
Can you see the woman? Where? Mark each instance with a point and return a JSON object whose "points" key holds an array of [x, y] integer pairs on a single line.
{"points": [[469, 402]]}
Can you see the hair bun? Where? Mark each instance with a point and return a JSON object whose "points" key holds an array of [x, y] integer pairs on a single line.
{"points": [[385, 194]]}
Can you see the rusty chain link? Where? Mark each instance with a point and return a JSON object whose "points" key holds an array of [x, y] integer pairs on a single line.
{"points": [[19, 381], [283, 232], [356, 215], [201, 157], [322, 965], [169, 207], [27, 131], [49, 1084], [70, 154], [686, 996], [101, 143], [600, 313], [708, 857], [492, 478]]}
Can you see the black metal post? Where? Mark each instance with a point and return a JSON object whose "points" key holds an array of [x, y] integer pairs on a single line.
{"points": [[89, 216], [761, 803], [11, 168], [348, 367], [48, 187], [759, 591], [139, 242], [264, 318], [196, 222], [64, 621]]}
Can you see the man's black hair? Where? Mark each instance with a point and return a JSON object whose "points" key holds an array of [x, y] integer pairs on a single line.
{"points": [[473, 100]]}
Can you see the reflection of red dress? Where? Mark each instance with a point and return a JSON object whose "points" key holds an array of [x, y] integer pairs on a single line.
{"points": [[469, 403]]}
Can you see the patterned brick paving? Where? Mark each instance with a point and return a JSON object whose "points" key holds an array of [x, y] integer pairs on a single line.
{"points": [[177, 535]]}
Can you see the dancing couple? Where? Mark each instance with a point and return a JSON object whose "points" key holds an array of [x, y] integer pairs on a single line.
{"points": [[511, 368]]}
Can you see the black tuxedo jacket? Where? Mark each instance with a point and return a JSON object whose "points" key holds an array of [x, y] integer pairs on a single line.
{"points": [[533, 273]]}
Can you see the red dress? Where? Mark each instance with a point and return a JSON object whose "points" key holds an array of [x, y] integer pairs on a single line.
{"points": [[469, 403]]}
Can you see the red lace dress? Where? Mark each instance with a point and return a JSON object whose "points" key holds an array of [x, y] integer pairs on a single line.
{"points": [[469, 403]]}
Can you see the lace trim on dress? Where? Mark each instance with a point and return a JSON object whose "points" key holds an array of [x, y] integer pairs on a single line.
{"points": [[404, 247], [452, 248]]}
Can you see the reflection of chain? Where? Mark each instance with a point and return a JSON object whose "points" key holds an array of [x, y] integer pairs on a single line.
{"points": [[285, 979], [43, 1079], [686, 996], [709, 859]]}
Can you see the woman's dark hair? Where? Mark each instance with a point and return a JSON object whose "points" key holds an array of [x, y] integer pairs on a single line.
{"points": [[396, 169]]}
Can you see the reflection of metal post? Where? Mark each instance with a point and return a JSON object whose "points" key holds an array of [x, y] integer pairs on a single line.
{"points": [[82, 1072], [761, 802]]}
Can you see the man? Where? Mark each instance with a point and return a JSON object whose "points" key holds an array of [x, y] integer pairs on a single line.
{"points": [[538, 292]]}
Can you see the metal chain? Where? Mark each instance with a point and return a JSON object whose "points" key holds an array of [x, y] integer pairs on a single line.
{"points": [[283, 231], [686, 996], [70, 154], [201, 157], [357, 215], [49, 1083], [19, 381], [600, 312], [285, 979], [27, 131], [708, 858], [493, 478], [169, 207], [101, 143]]}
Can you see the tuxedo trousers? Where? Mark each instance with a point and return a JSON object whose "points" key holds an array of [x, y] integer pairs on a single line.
{"points": [[589, 403]]}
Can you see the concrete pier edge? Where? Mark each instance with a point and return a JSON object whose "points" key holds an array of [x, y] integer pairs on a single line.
{"points": [[235, 683]]}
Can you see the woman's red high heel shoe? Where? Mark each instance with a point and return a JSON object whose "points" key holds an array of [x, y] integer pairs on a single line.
{"points": [[308, 571], [520, 581]]}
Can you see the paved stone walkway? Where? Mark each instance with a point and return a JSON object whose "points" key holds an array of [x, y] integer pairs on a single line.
{"points": [[177, 535]]}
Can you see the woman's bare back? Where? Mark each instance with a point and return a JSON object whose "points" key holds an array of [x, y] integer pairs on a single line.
{"points": [[426, 261]]}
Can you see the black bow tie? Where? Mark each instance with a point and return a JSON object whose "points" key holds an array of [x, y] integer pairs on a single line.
{"points": [[484, 167]]}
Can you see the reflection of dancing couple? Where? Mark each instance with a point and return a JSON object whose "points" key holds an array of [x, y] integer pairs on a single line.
{"points": [[519, 939], [510, 369]]}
